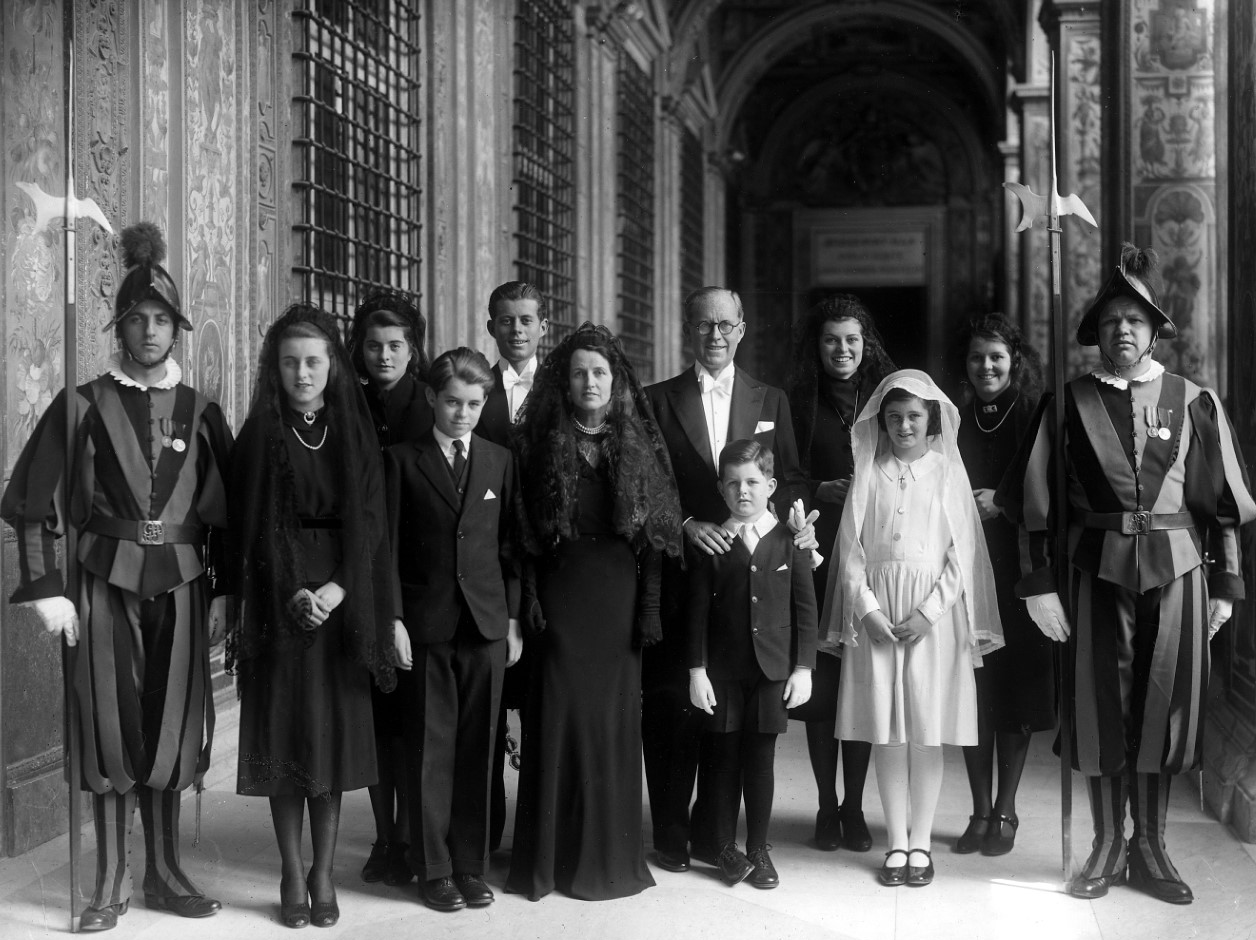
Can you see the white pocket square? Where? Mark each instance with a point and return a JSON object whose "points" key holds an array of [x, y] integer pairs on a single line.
{"points": [[489, 494], [783, 568], [764, 426]]}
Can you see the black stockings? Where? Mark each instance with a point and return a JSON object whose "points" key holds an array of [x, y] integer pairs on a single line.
{"points": [[288, 814], [1013, 748], [823, 750]]}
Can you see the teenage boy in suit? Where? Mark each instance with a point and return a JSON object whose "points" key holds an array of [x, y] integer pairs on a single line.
{"points": [[752, 646], [451, 495]]}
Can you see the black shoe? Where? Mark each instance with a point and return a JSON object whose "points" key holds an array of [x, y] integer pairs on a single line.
{"points": [[441, 894], [397, 872], [195, 905], [295, 915], [1090, 888], [919, 875], [103, 918], [709, 854], [672, 861], [1001, 835], [828, 829], [855, 834], [734, 866], [474, 891], [1171, 890], [376, 867], [973, 836], [764, 874], [325, 913], [893, 875]]}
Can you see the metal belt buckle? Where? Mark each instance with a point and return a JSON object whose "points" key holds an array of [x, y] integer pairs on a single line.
{"points": [[1136, 523], [151, 532]]}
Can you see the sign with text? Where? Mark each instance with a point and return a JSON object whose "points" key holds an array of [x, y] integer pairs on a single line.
{"points": [[870, 258]]}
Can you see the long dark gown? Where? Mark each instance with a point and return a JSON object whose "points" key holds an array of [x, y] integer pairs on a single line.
{"points": [[829, 458], [305, 711], [1015, 684], [578, 821]]}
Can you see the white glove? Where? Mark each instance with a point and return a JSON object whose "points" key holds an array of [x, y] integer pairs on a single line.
{"points": [[1219, 611], [219, 618], [1048, 613], [58, 616]]}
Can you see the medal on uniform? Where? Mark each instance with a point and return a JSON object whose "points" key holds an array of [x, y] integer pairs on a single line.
{"points": [[166, 433], [166, 440], [179, 445]]}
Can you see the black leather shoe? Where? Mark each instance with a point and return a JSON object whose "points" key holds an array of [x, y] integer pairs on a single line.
{"points": [[376, 866], [828, 830], [893, 875], [764, 874], [103, 918], [441, 894], [1001, 836], [1090, 888], [397, 871], [973, 836], [672, 861], [710, 854], [1171, 890], [734, 866], [919, 875], [323, 913], [195, 905], [855, 834], [474, 890], [295, 915]]}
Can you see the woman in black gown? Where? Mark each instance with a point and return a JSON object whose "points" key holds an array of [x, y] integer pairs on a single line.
{"points": [[317, 607], [1016, 684], [386, 346], [600, 508], [839, 359]]}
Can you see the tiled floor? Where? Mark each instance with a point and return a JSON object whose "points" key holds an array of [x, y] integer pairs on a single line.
{"points": [[822, 895]]}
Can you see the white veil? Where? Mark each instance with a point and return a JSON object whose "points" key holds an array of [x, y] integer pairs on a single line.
{"points": [[977, 610]]}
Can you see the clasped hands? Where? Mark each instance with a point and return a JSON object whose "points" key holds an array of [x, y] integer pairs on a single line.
{"points": [[702, 693], [312, 608], [405, 653], [880, 629]]}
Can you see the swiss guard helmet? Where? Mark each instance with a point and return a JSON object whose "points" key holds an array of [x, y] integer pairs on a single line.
{"points": [[1135, 277], [143, 250]]}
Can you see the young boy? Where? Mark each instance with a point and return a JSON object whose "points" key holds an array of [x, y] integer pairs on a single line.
{"points": [[450, 499], [752, 646]]}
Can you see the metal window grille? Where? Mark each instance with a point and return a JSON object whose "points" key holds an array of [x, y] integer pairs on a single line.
{"points": [[544, 158], [358, 149], [692, 214], [635, 211]]}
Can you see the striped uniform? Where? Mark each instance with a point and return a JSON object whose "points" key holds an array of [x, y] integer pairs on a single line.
{"points": [[141, 670], [1138, 603]]}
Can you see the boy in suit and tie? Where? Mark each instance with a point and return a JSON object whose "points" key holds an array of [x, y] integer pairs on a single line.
{"points": [[450, 497], [752, 646]]}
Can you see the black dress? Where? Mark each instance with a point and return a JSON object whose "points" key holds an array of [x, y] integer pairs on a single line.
{"points": [[1015, 684], [829, 458], [305, 710], [578, 821]]}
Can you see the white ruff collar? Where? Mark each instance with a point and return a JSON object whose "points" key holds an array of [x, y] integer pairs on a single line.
{"points": [[174, 375], [1154, 371]]}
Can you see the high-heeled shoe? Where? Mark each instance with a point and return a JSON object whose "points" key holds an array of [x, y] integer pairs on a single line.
{"points": [[893, 875], [855, 834], [996, 842], [919, 875], [377, 863], [323, 913], [973, 836], [295, 914]]}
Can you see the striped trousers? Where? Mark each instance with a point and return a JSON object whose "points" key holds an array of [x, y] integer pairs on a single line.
{"points": [[159, 814], [1147, 796]]}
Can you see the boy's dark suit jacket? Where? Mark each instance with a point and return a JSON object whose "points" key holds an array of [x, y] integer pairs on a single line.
{"points": [[450, 550], [771, 597], [495, 415]]}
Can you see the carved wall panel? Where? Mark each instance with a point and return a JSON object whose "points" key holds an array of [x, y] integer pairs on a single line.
{"points": [[154, 157], [264, 244]]}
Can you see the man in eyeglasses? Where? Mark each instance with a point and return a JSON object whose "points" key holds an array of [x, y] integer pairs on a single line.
{"points": [[699, 411], [146, 493]]}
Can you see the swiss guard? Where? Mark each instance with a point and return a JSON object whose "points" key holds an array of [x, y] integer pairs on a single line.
{"points": [[1156, 492], [146, 499]]}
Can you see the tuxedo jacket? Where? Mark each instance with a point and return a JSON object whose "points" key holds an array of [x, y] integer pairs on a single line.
{"points": [[453, 551], [757, 411], [748, 609], [494, 422]]}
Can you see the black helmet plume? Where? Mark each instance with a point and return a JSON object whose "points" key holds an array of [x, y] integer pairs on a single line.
{"points": [[143, 251]]}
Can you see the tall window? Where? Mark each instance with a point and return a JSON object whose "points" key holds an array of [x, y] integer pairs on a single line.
{"points": [[634, 206], [692, 214], [544, 158], [358, 149]]}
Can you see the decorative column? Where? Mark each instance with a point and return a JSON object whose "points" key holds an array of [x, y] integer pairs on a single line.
{"points": [[667, 313], [1073, 28]]}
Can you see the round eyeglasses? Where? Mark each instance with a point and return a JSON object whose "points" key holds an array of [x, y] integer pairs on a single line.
{"points": [[705, 327]]}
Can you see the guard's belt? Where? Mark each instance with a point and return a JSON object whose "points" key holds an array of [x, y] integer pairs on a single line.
{"points": [[1136, 523], [146, 531]]}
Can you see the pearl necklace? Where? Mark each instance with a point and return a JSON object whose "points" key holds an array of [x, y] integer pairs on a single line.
{"points": [[317, 446], [590, 431], [1001, 420]]}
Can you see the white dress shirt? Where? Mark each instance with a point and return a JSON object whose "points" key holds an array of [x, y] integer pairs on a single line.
{"points": [[517, 385], [751, 532], [446, 445], [717, 403]]}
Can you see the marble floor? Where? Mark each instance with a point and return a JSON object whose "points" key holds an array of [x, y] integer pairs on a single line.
{"points": [[823, 896]]}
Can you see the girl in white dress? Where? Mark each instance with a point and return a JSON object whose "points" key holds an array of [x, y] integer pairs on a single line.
{"points": [[912, 604]]}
